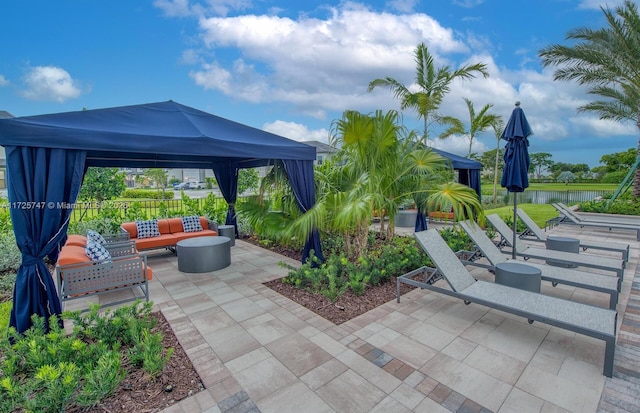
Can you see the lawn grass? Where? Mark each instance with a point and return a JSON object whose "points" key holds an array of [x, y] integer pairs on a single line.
{"points": [[540, 213]]}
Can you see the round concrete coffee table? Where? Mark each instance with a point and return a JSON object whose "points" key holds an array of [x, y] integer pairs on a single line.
{"points": [[517, 275], [564, 244], [203, 254]]}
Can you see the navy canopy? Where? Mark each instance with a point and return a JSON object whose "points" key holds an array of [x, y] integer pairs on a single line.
{"points": [[468, 169], [48, 154], [468, 174]]}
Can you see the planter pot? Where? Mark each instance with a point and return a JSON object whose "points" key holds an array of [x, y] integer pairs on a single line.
{"points": [[406, 218]]}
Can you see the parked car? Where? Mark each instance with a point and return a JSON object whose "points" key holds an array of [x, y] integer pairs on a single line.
{"points": [[198, 185], [182, 186]]}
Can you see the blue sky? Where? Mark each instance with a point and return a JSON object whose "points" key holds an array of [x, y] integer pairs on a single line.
{"points": [[291, 67]]}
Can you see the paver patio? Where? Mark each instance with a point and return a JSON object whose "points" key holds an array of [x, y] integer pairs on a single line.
{"points": [[257, 351]]}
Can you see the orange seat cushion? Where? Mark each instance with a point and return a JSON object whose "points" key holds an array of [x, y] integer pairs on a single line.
{"points": [[166, 240], [204, 233], [72, 254]]}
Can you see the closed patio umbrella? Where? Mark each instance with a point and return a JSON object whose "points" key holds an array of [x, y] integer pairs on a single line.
{"points": [[516, 159]]}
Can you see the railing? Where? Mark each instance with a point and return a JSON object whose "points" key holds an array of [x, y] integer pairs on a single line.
{"points": [[83, 211], [549, 197]]}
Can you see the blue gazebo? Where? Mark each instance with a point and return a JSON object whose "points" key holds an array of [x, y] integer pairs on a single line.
{"points": [[47, 156]]}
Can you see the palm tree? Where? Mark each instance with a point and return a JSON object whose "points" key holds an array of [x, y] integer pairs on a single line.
{"points": [[379, 167], [434, 83], [607, 61], [478, 123], [498, 128]]}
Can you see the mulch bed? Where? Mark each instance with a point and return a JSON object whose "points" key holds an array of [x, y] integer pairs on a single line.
{"points": [[138, 392], [346, 307]]}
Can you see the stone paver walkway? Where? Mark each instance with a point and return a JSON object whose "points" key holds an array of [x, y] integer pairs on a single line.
{"points": [[257, 351]]}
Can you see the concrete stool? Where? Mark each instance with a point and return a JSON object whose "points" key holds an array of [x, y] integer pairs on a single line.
{"points": [[203, 254], [517, 275], [565, 244], [228, 231]]}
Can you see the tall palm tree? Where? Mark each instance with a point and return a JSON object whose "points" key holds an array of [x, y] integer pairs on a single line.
{"points": [[433, 83], [607, 61], [498, 128], [478, 123]]}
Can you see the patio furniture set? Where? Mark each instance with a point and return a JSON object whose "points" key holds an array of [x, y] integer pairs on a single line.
{"points": [[95, 264]]}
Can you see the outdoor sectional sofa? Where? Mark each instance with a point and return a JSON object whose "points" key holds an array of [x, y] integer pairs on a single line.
{"points": [[170, 231]]}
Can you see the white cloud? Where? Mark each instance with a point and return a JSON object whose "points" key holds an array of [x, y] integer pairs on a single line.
{"points": [[3, 81], [50, 83], [184, 8], [459, 145], [296, 131], [597, 4], [319, 64], [322, 65]]}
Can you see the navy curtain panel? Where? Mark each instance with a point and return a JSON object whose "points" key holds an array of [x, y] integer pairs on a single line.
{"points": [[227, 177], [300, 174], [470, 178], [43, 184], [421, 221]]}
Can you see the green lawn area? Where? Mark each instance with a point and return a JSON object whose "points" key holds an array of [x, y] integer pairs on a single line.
{"points": [[559, 186], [540, 213]]}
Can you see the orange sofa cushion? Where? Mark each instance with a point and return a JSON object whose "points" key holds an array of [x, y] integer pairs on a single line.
{"points": [[166, 240], [76, 239], [204, 233], [175, 225], [131, 228]]}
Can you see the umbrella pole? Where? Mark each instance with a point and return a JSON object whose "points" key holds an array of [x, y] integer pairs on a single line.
{"points": [[515, 207]]}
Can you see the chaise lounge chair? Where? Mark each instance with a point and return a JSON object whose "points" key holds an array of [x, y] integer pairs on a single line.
{"points": [[537, 234], [590, 281], [570, 215], [562, 257], [580, 318]]}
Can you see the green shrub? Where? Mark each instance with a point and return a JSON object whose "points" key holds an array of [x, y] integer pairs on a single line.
{"points": [[5, 310], [622, 206], [147, 194], [11, 258], [614, 177], [53, 371], [382, 262]]}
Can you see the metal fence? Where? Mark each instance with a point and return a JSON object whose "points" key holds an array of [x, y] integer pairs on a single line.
{"points": [[549, 197], [86, 210]]}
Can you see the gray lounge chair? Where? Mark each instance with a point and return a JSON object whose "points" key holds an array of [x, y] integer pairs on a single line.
{"points": [[571, 216], [580, 318], [602, 217], [537, 234], [590, 281], [567, 258]]}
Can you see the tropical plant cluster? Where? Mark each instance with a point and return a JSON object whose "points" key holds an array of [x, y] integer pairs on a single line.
{"points": [[52, 371], [381, 263]]}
